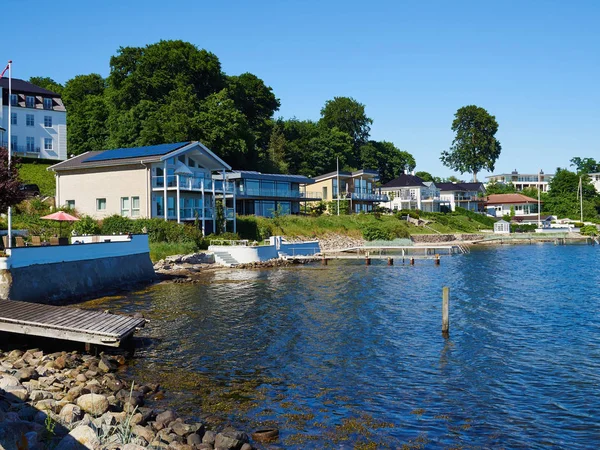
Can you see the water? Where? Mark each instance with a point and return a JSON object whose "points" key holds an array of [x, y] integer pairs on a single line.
{"points": [[348, 355]]}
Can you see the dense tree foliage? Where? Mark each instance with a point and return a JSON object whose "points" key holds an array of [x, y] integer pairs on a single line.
{"points": [[562, 198], [10, 194], [475, 146], [172, 91], [500, 188], [585, 165], [425, 176]]}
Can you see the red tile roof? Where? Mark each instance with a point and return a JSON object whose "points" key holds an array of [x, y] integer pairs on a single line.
{"points": [[500, 199]]}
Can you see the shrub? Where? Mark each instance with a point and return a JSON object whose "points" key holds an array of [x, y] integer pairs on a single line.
{"points": [[589, 230], [373, 233], [86, 225], [578, 224]]}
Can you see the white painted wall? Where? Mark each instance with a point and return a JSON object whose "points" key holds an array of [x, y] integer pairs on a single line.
{"points": [[29, 256], [249, 254]]}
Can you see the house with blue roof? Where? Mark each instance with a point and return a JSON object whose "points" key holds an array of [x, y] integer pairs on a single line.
{"points": [[178, 181]]}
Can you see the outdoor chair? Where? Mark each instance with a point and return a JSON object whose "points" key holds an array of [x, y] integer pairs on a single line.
{"points": [[19, 241], [53, 241], [36, 241]]}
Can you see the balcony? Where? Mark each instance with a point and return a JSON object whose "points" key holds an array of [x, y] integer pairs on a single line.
{"points": [[278, 193], [364, 196], [29, 151], [195, 184]]}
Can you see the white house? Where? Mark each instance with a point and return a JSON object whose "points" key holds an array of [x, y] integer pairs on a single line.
{"points": [[38, 121], [595, 180], [502, 227], [540, 180], [411, 192], [499, 205], [169, 181], [465, 195]]}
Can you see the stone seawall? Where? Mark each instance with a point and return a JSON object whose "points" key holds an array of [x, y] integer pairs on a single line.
{"points": [[435, 238], [58, 282]]}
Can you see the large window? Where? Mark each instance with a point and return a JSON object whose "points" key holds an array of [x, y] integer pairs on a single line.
{"points": [[30, 142], [252, 187], [30, 101], [100, 204], [48, 121], [29, 120], [283, 189], [160, 211], [268, 188], [125, 206], [13, 142], [14, 100], [13, 118], [47, 143], [135, 206], [47, 103]]}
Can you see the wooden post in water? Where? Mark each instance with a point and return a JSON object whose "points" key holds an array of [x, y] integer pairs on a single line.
{"points": [[445, 311], [390, 261], [323, 261], [368, 261], [437, 260], [412, 261]]}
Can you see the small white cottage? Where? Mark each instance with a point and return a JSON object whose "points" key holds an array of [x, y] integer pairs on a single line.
{"points": [[502, 227]]}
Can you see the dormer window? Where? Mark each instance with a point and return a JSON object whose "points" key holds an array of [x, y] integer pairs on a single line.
{"points": [[14, 100], [47, 103], [30, 101]]}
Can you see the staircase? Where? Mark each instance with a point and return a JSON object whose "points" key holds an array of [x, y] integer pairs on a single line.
{"points": [[224, 258]]}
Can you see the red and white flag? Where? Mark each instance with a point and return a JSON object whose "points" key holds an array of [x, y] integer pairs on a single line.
{"points": [[4, 71]]}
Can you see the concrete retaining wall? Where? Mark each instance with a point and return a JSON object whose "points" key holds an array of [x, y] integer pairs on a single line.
{"points": [[55, 274], [435, 238]]}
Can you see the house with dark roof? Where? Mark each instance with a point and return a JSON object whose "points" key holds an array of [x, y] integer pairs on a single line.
{"points": [[168, 181], [38, 120], [358, 187], [409, 191], [264, 194], [466, 195]]}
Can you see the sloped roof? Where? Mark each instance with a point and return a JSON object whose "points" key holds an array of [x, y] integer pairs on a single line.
{"points": [[137, 152], [26, 87], [404, 180], [459, 186], [500, 199]]}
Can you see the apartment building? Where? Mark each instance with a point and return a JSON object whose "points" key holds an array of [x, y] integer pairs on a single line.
{"points": [[540, 180]]}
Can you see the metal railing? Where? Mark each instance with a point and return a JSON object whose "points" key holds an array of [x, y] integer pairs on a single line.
{"points": [[230, 242], [187, 183], [281, 193]]}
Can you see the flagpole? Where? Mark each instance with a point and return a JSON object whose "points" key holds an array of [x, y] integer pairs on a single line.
{"points": [[338, 185], [581, 197], [539, 187], [9, 147]]}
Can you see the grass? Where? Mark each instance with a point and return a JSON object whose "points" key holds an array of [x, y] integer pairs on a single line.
{"points": [[160, 250], [36, 173]]}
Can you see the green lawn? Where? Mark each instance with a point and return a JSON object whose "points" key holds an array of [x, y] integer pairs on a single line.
{"points": [[36, 173]]}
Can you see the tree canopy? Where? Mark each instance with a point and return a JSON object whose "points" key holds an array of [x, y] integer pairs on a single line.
{"points": [[10, 194], [585, 165], [562, 198], [475, 146]]}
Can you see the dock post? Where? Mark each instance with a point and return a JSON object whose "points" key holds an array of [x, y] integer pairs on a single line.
{"points": [[323, 261], [445, 311], [390, 261], [412, 261], [437, 260], [368, 261]]}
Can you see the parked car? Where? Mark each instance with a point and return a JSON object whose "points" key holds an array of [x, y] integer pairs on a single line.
{"points": [[31, 190]]}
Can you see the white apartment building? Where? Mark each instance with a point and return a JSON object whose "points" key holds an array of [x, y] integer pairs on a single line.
{"points": [[540, 180], [38, 121]]}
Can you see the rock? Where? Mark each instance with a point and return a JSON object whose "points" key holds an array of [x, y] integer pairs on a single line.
{"points": [[114, 384], [132, 447], [231, 439], [166, 417], [106, 365], [181, 429], [17, 392], [95, 404], [26, 373], [70, 413], [81, 378], [47, 405], [37, 395], [194, 439], [60, 362], [143, 432], [14, 355], [8, 380], [246, 446], [209, 438], [82, 435]]}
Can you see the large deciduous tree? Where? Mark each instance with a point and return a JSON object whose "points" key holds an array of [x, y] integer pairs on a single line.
{"points": [[10, 194], [562, 196], [47, 83], [387, 159], [348, 115], [585, 165], [475, 146]]}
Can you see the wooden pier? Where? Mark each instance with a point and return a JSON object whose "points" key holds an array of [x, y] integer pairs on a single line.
{"points": [[59, 322]]}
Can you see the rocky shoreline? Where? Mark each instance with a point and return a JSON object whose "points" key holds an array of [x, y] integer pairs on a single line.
{"points": [[75, 401]]}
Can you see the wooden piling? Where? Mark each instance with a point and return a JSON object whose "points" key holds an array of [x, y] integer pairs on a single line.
{"points": [[412, 261], [437, 260], [368, 261], [323, 261], [445, 311], [390, 261]]}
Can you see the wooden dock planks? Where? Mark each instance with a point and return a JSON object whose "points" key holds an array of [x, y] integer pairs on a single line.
{"points": [[66, 323]]}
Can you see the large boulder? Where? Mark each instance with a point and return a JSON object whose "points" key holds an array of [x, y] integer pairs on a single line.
{"points": [[70, 413], [94, 404], [8, 380], [232, 440], [80, 436]]}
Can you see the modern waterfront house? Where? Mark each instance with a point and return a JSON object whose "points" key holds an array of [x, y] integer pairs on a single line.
{"points": [[522, 181], [38, 121], [410, 192], [358, 187], [264, 194], [168, 181], [519, 205], [465, 195]]}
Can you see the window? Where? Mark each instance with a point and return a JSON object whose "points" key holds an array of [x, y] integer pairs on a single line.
{"points": [[14, 100], [325, 193], [47, 103], [181, 158], [125, 206], [29, 120], [30, 141], [159, 207], [30, 101], [70, 204], [13, 118], [13, 143], [191, 163], [100, 204], [48, 121], [135, 206], [47, 143]]}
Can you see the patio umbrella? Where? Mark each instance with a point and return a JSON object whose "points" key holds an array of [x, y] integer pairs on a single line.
{"points": [[60, 217]]}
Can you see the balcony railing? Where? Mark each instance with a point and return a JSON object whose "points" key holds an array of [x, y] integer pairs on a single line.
{"points": [[279, 193], [22, 149], [362, 195], [187, 183]]}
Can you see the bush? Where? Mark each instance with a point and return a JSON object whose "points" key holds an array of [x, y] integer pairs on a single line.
{"points": [[401, 214], [373, 233], [578, 224], [522, 228], [481, 218], [86, 225], [589, 230]]}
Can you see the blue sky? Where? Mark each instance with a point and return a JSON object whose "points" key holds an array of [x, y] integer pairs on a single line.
{"points": [[535, 65]]}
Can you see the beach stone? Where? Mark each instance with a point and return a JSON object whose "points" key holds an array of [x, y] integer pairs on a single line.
{"points": [[143, 432], [194, 439], [166, 417], [60, 362], [46, 405], [181, 428], [106, 365], [93, 403], [132, 447], [246, 446], [70, 413], [8, 380], [81, 378], [209, 438], [82, 435], [231, 439], [37, 395], [26, 374], [15, 354], [18, 392]]}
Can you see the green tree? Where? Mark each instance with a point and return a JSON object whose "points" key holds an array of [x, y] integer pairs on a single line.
{"points": [[585, 165], [387, 159], [10, 194], [348, 115], [425, 176], [475, 146], [275, 160], [500, 188], [562, 198], [47, 83]]}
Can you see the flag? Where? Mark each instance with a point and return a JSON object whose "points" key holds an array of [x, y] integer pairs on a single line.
{"points": [[4, 71]]}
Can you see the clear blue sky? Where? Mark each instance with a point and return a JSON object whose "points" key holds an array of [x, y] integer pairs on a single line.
{"points": [[535, 65]]}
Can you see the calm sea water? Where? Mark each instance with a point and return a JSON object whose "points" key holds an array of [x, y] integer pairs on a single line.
{"points": [[348, 355]]}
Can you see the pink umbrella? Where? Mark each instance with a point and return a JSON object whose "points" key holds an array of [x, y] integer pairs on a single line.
{"points": [[60, 216]]}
